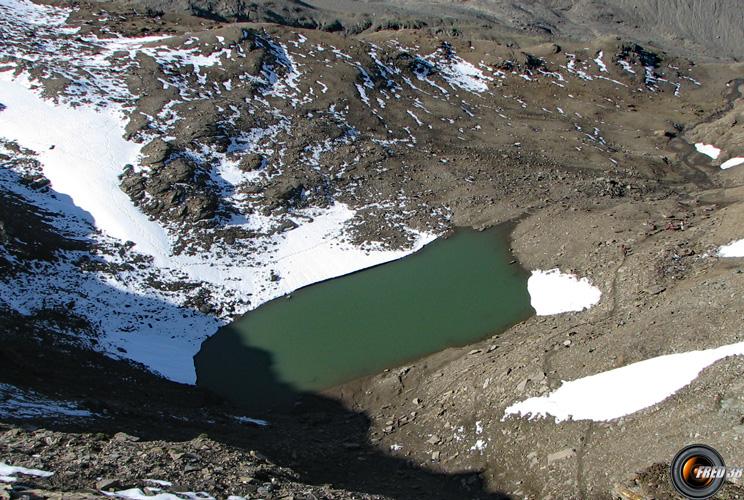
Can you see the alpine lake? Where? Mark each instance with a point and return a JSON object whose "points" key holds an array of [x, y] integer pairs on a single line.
{"points": [[454, 291]]}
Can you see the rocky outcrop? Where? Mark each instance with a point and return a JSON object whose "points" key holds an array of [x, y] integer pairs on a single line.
{"points": [[179, 190]]}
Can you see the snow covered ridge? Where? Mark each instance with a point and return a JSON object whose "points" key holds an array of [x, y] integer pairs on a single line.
{"points": [[135, 320], [622, 391], [9, 473], [555, 292]]}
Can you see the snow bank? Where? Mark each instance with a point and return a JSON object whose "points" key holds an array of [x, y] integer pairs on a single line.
{"points": [[17, 403], [554, 292], [314, 251], [622, 391], [462, 74], [454, 70], [708, 149], [249, 420], [732, 162], [8, 472], [733, 249], [157, 494], [82, 152], [600, 63]]}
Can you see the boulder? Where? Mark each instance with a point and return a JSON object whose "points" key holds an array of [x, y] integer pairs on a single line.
{"points": [[250, 162], [155, 152]]}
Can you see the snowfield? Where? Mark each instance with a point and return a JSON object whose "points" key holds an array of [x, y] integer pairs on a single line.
{"points": [[87, 171], [82, 152], [622, 391], [555, 292]]}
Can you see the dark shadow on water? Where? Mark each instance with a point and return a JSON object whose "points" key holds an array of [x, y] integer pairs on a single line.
{"points": [[318, 437], [328, 443], [252, 374]]}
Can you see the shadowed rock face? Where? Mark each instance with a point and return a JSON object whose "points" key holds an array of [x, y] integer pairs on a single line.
{"points": [[687, 27], [712, 28]]}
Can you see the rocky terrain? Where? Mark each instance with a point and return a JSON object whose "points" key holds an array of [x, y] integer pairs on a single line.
{"points": [[168, 166]]}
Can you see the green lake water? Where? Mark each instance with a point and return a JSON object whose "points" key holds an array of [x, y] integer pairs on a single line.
{"points": [[452, 292]]}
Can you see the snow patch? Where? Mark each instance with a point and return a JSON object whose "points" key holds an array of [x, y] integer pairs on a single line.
{"points": [[732, 162], [8, 472], [554, 292], [159, 482], [733, 249], [455, 70], [249, 420], [17, 403], [622, 391], [479, 445], [600, 63], [415, 118], [150, 493], [626, 66], [707, 149], [464, 75]]}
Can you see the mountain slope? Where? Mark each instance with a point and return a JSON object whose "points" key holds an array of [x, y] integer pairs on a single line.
{"points": [[163, 173]]}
